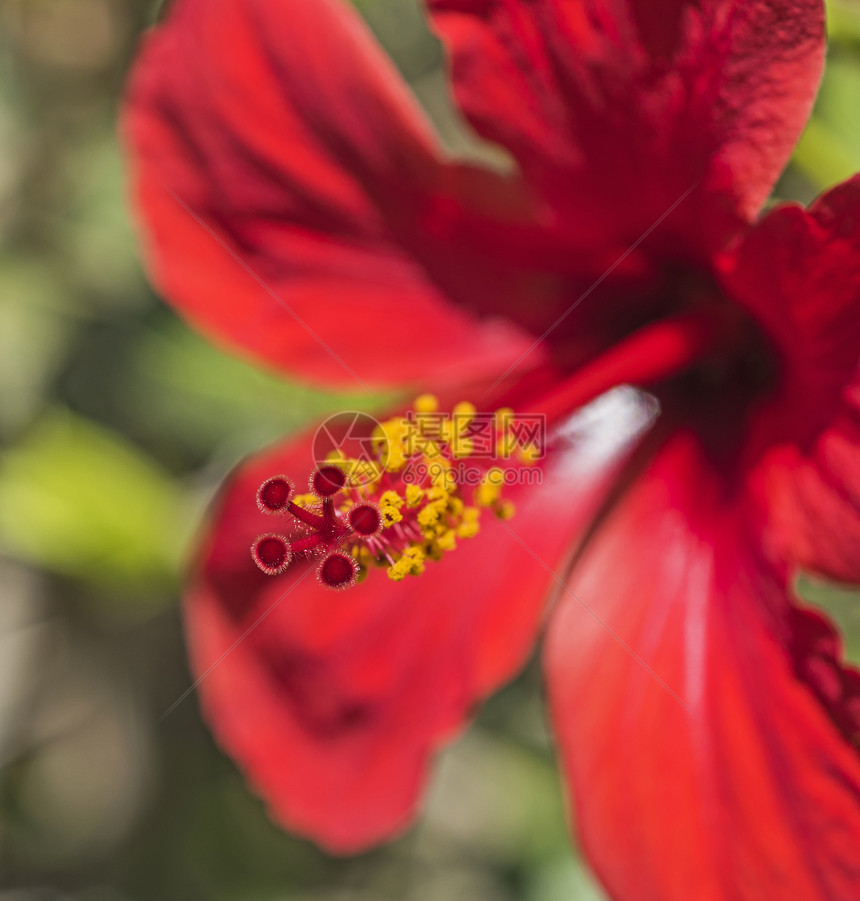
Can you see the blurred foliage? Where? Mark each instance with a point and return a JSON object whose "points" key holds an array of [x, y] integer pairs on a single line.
{"points": [[829, 151], [117, 423], [842, 604], [80, 500], [186, 389]]}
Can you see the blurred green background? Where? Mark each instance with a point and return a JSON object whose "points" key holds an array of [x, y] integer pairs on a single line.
{"points": [[116, 425]]}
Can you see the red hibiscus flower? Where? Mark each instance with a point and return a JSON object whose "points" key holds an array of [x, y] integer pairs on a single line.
{"points": [[296, 206]]}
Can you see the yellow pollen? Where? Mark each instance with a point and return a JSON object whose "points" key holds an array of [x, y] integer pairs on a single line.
{"points": [[468, 529], [413, 495], [390, 516], [411, 563], [490, 489], [465, 411], [447, 541], [391, 499], [426, 403], [495, 476], [429, 515], [504, 417], [390, 504], [529, 454]]}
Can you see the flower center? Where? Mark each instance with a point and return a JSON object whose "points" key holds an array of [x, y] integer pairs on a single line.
{"points": [[425, 491], [711, 351]]}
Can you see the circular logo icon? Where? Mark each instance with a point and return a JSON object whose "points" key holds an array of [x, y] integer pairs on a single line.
{"points": [[350, 436]]}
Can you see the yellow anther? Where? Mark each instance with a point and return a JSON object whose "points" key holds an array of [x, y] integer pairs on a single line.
{"points": [[505, 510], [426, 403], [504, 417], [441, 475], [428, 516], [455, 506], [305, 500], [389, 442], [395, 459], [411, 563], [390, 515], [471, 514], [432, 550], [413, 495], [464, 412], [490, 489], [437, 493], [397, 572], [486, 495], [391, 499], [379, 438], [447, 541], [335, 456], [530, 454], [416, 558], [468, 529]]}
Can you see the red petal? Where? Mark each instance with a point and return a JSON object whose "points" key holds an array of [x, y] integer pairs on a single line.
{"points": [[334, 704], [294, 204], [615, 109], [706, 740], [798, 272], [811, 500]]}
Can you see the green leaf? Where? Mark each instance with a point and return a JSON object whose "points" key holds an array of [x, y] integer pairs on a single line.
{"points": [[842, 605], [185, 387], [829, 151], [33, 338], [81, 501], [843, 20]]}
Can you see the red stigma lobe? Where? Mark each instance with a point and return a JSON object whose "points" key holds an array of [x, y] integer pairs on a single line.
{"points": [[326, 481], [274, 494], [339, 570], [272, 553]]}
